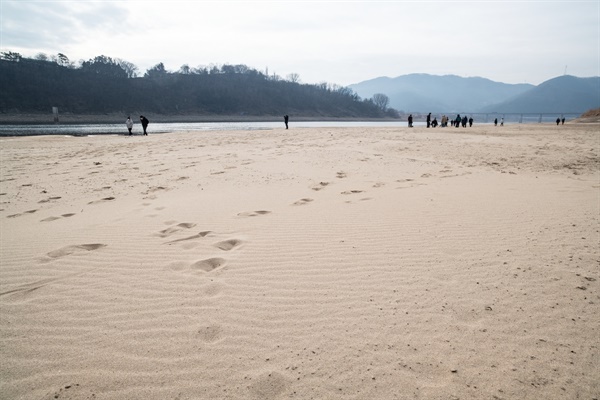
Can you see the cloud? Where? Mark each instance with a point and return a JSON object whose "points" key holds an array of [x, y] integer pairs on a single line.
{"points": [[55, 26], [340, 42]]}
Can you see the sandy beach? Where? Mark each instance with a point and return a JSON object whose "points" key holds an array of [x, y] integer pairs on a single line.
{"points": [[312, 263]]}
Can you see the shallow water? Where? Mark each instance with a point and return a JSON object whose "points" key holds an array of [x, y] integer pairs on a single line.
{"points": [[153, 128]]}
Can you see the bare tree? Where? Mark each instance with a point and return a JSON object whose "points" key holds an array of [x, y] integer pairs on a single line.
{"points": [[129, 68], [185, 69], [293, 77], [156, 72], [62, 60], [381, 101], [41, 57], [200, 70], [10, 56]]}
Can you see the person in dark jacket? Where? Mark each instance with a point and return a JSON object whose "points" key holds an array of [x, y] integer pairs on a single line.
{"points": [[428, 120], [286, 118], [144, 122], [410, 120]]}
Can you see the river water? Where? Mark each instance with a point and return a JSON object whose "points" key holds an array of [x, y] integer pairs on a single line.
{"points": [[153, 128]]}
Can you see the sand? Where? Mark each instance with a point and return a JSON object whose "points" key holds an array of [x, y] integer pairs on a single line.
{"points": [[317, 263]]}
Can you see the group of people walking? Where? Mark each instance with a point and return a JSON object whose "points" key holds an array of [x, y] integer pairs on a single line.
{"points": [[456, 122], [143, 120]]}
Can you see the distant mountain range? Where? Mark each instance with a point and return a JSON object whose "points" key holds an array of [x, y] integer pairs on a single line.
{"points": [[423, 93]]}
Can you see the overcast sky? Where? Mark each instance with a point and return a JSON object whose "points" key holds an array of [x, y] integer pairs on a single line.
{"points": [[338, 42]]}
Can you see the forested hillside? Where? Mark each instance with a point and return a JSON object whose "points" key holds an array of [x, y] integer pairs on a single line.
{"points": [[104, 85]]}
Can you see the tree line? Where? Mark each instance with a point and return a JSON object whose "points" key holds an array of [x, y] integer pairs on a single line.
{"points": [[107, 85]]}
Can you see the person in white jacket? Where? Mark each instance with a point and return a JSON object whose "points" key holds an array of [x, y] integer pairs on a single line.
{"points": [[129, 124]]}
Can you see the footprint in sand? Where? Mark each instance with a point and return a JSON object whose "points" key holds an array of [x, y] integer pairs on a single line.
{"points": [[102, 188], [18, 215], [320, 186], [411, 183], [55, 218], [212, 289], [227, 245], [253, 213], [196, 236], [102, 200], [176, 228], [49, 199], [65, 251], [269, 386], [210, 333], [209, 264], [302, 202], [49, 219], [178, 266], [26, 289], [341, 174], [352, 191], [154, 189]]}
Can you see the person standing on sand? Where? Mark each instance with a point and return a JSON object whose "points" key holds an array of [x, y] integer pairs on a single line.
{"points": [[428, 120], [495, 121], [470, 122], [502, 121], [129, 124], [563, 120], [286, 118], [410, 119], [144, 122], [557, 121]]}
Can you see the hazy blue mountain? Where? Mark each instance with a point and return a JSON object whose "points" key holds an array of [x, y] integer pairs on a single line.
{"points": [[439, 94], [564, 94]]}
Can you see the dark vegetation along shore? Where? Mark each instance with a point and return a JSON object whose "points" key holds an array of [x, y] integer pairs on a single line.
{"points": [[104, 90]]}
